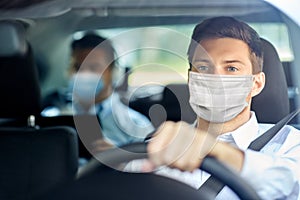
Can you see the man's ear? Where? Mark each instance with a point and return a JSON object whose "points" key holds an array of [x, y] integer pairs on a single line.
{"points": [[259, 84]]}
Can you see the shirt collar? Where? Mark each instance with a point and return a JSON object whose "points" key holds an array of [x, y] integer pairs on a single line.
{"points": [[244, 135], [105, 104]]}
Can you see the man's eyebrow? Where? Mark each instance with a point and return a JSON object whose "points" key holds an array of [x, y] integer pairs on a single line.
{"points": [[233, 61], [202, 60]]}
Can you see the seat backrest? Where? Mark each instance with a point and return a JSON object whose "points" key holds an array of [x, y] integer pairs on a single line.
{"points": [[272, 104], [33, 159], [19, 83], [86, 126], [176, 102], [20, 91]]}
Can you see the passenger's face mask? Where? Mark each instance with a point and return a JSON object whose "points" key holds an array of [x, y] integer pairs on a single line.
{"points": [[85, 86], [219, 98]]}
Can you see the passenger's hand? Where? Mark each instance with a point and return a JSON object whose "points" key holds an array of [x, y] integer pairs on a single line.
{"points": [[179, 145], [101, 145]]}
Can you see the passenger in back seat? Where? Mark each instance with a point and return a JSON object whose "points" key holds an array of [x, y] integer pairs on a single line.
{"points": [[92, 91]]}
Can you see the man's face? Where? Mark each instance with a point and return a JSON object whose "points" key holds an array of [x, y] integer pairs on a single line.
{"points": [[93, 61], [225, 56]]}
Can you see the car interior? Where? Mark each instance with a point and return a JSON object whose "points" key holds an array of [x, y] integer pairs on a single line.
{"points": [[41, 154]]}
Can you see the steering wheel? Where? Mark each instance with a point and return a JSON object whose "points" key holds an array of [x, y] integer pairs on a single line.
{"points": [[97, 180]]}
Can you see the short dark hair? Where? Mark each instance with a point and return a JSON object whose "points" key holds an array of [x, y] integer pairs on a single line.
{"points": [[91, 40], [228, 27]]}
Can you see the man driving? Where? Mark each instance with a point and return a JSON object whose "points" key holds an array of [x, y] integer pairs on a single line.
{"points": [[225, 57]]}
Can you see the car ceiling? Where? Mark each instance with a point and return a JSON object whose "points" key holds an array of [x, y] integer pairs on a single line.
{"points": [[92, 14], [77, 15], [115, 8]]}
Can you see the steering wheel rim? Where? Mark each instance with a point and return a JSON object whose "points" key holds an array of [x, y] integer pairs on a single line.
{"points": [[115, 156]]}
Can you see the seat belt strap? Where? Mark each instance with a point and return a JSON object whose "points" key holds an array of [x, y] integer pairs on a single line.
{"points": [[262, 140], [216, 186]]}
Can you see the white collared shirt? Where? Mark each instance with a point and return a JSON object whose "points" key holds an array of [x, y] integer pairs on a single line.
{"points": [[122, 125], [274, 172]]}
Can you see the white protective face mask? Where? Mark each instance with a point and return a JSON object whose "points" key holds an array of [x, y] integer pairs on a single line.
{"points": [[219, 98], [85, 86]]}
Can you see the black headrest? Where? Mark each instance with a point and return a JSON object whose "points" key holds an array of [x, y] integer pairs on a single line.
{"points": [[272, 104], [12, 39], [176, 102], [19, 85]]}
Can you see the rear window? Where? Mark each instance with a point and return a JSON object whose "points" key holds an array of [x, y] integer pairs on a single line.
{"points": [[166, 61]]}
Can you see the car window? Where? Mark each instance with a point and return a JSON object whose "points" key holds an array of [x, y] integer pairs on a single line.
{"points": [[160, 66], [277, 33]]}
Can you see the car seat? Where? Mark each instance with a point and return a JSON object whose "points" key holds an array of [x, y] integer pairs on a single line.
{"points": [[33, 159], [272, 104], [17, 71]]}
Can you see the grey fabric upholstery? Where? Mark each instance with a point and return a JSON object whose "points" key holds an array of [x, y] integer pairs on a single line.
{"points": [[272, 104]]}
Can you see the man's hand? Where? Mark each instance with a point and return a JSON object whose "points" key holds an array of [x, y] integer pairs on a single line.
{"points": [[181, 146]]}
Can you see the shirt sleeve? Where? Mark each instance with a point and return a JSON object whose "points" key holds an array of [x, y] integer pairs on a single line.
{"points": [[132, 122], [274, 172]]}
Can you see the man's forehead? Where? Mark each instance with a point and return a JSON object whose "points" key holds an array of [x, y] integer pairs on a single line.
{"points": [[90, 54], [221, 45]]}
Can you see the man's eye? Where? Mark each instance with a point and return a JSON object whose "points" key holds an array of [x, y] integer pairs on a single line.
{"points": [[202, 68], [232, 69]]}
